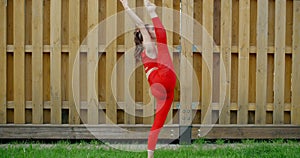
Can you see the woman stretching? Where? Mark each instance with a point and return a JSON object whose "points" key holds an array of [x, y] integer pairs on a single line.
{"points": [[152, 50]]}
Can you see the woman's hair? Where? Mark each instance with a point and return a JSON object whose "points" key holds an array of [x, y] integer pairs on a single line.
{"points": [[138, 40]]}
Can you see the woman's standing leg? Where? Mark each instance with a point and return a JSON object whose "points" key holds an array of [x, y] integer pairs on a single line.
{"points": [[162, 110]]}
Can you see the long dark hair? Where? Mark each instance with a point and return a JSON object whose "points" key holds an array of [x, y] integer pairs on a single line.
{"points": [[138, 40]]}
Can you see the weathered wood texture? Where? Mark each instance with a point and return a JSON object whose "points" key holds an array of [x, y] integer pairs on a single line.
{"points": [[55, 61], [3, 62], [246, 131], [72, 62], [140, 132], [262, 61], [295, 111], [103, 132]]}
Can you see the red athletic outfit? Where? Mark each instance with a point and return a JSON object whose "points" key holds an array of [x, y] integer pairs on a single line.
{"points": [[162, 80]]}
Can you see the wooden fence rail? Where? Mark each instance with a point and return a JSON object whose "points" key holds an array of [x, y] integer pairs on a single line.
{"points": [[71, 62]]}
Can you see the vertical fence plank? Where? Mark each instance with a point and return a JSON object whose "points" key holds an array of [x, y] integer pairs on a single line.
{"points": [[19, 61], [111, 57], [74, 59], [186, 63], [129, 88], [225, 65], [243, 69], [279, 76], [186, 71], [55, 61], [37, 61], [167, 20], [262, 61], [148, 99], [207, 64], [92, 62], [295, 111], [3, 59]]}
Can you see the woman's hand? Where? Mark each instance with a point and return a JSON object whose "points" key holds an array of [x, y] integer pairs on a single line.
{"points": [[150, 6], [125, 4]]}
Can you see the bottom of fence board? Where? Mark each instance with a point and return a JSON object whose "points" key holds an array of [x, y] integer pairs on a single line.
{"points": [[102, 132], [246, 131], [140, 132]]}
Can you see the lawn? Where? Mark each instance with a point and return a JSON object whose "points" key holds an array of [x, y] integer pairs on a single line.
{"points": [[200, 148]]}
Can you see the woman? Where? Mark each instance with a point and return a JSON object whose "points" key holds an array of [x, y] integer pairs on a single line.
{"points": [[152, 50]]}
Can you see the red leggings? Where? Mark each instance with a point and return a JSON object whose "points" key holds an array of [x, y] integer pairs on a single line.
{"points": [[162, 82], [162, 108]]}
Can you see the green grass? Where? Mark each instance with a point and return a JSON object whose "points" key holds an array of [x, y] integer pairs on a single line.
{"points": [[200, 148]]}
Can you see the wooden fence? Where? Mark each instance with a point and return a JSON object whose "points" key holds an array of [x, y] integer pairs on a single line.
{"points": [[247, 76]]}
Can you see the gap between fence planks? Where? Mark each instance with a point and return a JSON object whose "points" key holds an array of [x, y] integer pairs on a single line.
{"points": [[3, 58], [279, 74], [295, 111], [74, 60], [37, 61], [262, 61]]}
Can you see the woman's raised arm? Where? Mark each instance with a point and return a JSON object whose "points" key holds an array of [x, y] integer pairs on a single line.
{"points": [[150, 51], [161, 35], [151, 8], [139, 23]]}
